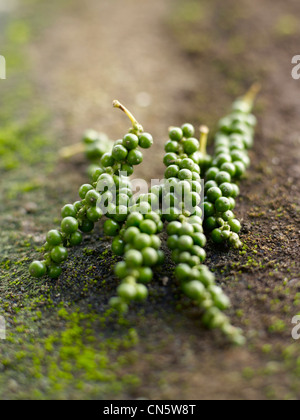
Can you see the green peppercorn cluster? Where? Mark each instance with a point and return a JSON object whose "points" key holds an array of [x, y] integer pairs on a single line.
{"points": [[181, 193], [114, 184], [96, 199], [96, 145], [187, 242], [140, 244], [182, 186], [231, 159]]}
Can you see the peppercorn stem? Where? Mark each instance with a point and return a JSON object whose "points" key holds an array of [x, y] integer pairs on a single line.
{"points": [[70, 151], [204, 130], [252, 94], [136, 126]]}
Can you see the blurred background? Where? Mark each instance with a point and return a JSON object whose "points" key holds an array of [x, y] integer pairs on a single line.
{"points": [[169, 62]]}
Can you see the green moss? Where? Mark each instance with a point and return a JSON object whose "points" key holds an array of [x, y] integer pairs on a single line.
{"points": [[188, 12], [248, 373], [287, 25], [18, 32], [69, 358], [278, 326], [266, 348]]}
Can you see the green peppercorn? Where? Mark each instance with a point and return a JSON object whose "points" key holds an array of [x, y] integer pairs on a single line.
{"points": [[54, 238], [148, 226], [111, 228], [171, 214], [191, 145], [211, 223], [211, 174], [141, 293], [126, 169], [235, 225], [232, 203], [185, 174], [185, 258], [150, 257], [59, 254], [228, 215], [130, 141], [121, 270], [173, 228], [121, 213], [75, 239], [96, 173], [194, 290], [37, 269], [145, 141], [188, 130], [172, 242], [145, 275], [135, 157], [222, 204], [92, 198], [195, 220], [133, 259], [78, 206], [171, 171], [131, 233], [185, 243], [86, 226], [155, 242], [171, 147], [209, 209], [84, 189], [227, 189], [176, 134], [182, 272], [126, 292], [119, 153], [118, 246], [94, 214], [134, 219], [235, 190], [186, 229], [105, 181], [199, 239], [196, 187], [213, 194], [210, 184], [170, 159], [69, 225], [68, 211], [142, 241], [223, 177], [217, 236], [240, 169]]}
